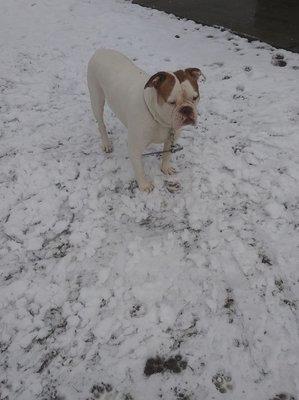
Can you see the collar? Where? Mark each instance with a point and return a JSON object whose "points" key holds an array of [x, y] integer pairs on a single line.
{"points": [[148, 98]]}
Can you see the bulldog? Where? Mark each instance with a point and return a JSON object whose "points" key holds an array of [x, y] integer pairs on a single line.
{"points": [[153, 108]]}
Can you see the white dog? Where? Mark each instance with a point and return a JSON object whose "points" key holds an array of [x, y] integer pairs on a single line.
{"points": [[152, 108]]}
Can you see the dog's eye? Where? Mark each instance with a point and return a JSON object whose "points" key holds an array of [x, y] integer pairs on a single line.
{"points": [[195, 97], [172, 103]]}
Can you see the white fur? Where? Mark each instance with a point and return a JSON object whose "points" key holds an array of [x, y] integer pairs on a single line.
{"points": [[112, 77]]}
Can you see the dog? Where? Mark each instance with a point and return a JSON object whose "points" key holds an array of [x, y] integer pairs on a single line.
{"points": [[153, 108]]}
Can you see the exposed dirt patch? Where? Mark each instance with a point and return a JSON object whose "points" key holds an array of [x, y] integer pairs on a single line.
{"points": [[265, 259], [47, 359]]}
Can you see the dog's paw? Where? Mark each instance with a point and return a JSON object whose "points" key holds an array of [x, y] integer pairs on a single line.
{"points": [[146, 186], [107, 147], [168, 169]]}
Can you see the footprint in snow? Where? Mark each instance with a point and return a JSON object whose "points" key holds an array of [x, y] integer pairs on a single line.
{"points": [[137, 310], [160, 365], [217, 64], [182, 394], [222, 382], [102, 391], [278, 60], [283, 396], [172, 187]]}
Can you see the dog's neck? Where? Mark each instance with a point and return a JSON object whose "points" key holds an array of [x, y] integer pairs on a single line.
{"points": [[150, 100]]}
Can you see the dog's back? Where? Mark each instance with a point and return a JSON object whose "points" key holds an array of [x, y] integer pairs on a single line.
{"points": [[114, 73]]}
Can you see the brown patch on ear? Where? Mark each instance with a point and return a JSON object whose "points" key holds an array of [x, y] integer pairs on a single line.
{"points": [[181, 75], [193, 78], [156, 80], [192, 74], [163, 82]]}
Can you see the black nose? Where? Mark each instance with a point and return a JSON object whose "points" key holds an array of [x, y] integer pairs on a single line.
{"points": [[186, 110]]}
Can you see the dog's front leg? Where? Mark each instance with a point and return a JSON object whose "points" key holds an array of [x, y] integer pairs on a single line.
{"points": [[136, 149], [166, 166]]}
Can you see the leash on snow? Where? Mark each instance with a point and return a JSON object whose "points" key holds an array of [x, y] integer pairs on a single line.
{"points": [[173, 147]]}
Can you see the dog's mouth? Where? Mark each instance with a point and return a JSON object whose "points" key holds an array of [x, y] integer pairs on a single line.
{"points": [[189, 121], [184, 120], [184, 115]]}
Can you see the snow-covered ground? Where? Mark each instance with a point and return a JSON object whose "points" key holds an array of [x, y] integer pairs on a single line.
{"points": [[97, 278]]}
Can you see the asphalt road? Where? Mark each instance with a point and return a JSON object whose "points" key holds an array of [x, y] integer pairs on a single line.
{"points": [[272, 21]]}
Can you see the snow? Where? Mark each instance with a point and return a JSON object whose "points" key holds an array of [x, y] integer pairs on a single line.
{"points": [[96, 278]]}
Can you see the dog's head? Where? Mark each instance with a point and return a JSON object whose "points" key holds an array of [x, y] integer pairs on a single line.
{"points": [[175, 95]]}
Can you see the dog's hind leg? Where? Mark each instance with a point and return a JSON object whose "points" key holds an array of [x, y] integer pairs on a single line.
{"points": [[97, 99]]}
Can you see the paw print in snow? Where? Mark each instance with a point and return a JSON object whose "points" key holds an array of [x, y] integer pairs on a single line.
{"points": [[278, 60], [138, 310], [172, 187], [222, 382], [100, 390], [229, 306], [283, 396]]}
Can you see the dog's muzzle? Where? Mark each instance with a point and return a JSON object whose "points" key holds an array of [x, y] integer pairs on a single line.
{"points": [[188, 114]]}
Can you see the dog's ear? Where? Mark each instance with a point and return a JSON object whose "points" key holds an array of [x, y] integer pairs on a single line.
{"points": [[195, 73], [156, 80]]}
